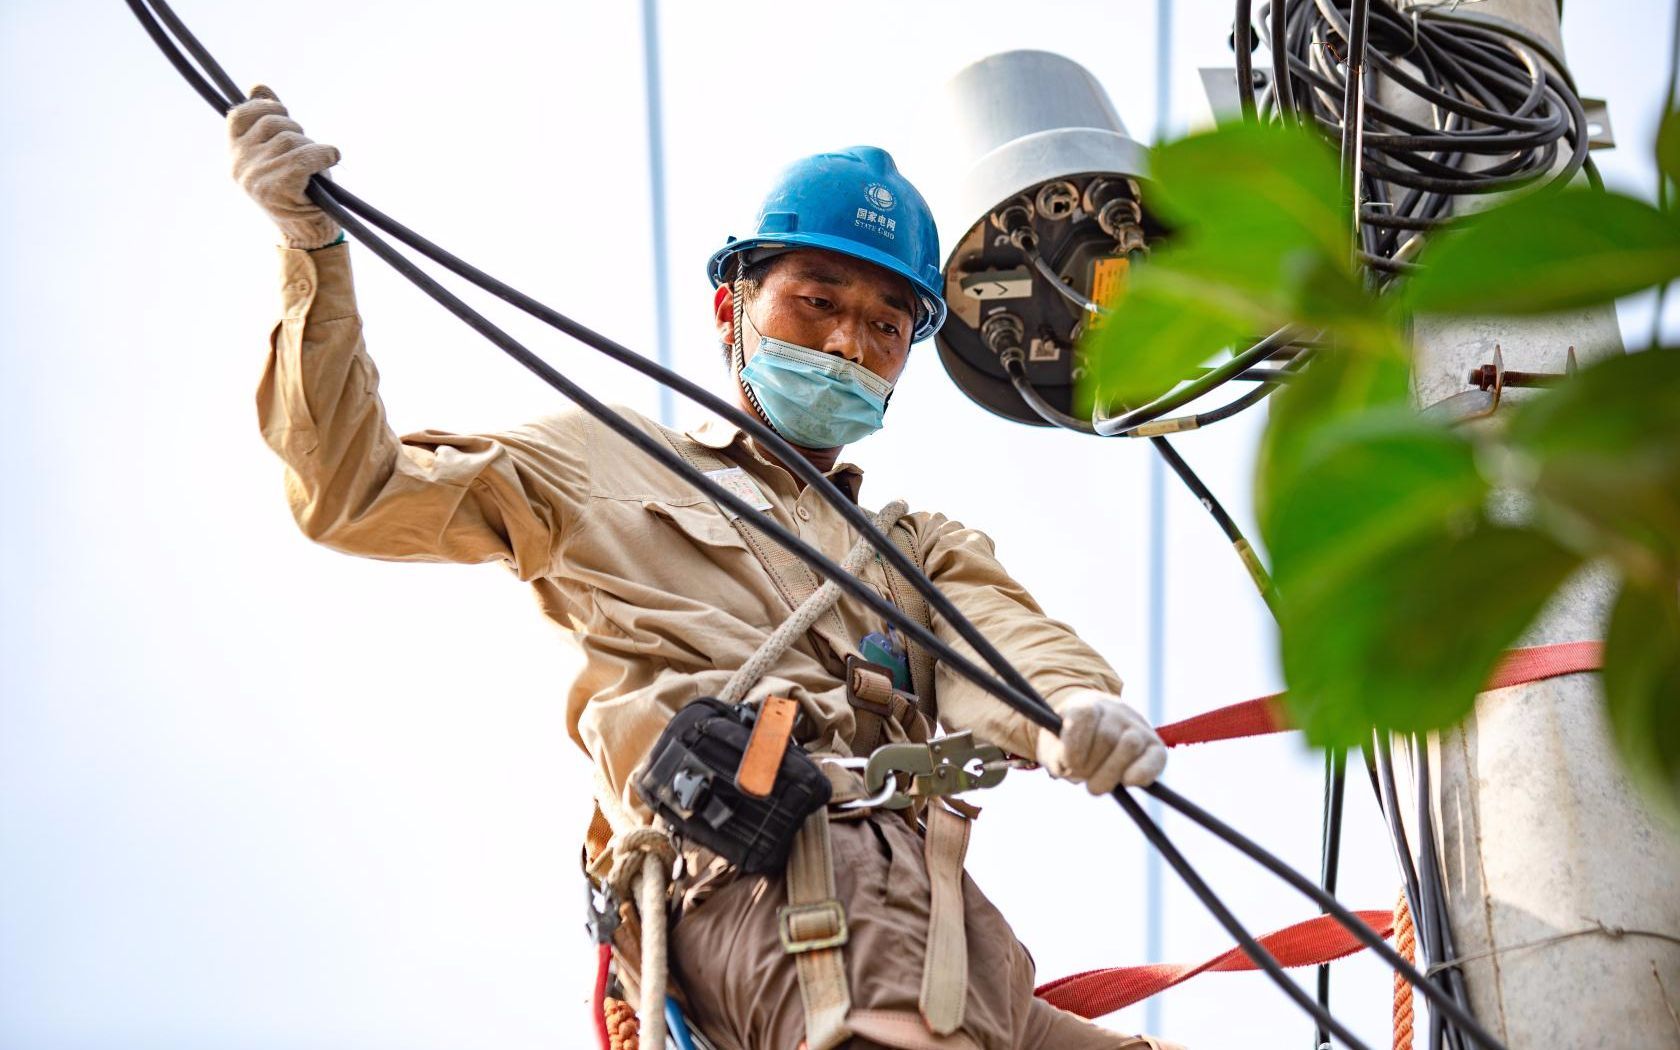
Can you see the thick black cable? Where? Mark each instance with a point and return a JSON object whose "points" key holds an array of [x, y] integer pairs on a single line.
{"points": [[1429, 863], [1485, 79], [1250, 946], [1380, 760], [1113, 426], [1349, 921], [1330, 856], [1282, 87], [1015, 369], [783, 451], [1242, 46], [1221, 517], [199, 52], [768, 438], [1419, 898], [1245, 551], [1029, 704], [1029, 248]]}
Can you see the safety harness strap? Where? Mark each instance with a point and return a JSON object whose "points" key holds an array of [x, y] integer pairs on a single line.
{"points": [[945, 968], [813, 931], [915, 606]]}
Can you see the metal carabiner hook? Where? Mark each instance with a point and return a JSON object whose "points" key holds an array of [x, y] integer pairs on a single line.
{"points": [[860, 766]]}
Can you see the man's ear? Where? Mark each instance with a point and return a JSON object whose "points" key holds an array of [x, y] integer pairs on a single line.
{"points": [[723, 312]]}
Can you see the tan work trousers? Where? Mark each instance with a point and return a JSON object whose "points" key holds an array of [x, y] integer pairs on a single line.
{"points": [[743, 989]]}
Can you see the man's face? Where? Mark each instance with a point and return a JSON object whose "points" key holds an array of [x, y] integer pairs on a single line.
{"points": [[835, 304]]}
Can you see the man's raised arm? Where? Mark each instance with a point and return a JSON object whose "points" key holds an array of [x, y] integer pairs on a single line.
{"points": [[351, 482]]}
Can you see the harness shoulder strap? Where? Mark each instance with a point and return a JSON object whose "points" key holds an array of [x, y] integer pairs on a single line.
{"points": [[915, 606]]}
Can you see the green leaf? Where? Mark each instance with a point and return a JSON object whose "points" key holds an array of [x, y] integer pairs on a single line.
{"points": [[1253, 188], [1259, 241], [1602, 453], [1547, 251], [1155, 336], [1364, 485], [1407, 641], [1642, 685], [1668, 145], [1334, 388]]}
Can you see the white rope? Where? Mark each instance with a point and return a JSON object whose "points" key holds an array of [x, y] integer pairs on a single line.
{"points": [[791, 629], [642, 860]]}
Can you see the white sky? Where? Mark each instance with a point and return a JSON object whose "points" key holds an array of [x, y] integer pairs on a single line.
{"points": [[255, 794]]}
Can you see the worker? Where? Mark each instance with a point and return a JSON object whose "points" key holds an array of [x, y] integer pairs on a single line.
{"points": [[666, 599]]}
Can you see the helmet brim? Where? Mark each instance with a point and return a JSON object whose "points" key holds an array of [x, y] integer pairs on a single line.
{"points": [[931, 305]]}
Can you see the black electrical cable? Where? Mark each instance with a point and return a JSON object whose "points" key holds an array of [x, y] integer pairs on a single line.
{"points": [[337, 202], [1425, 899], [1029, 248], [1437, 997], [1485, 80], [1250, 946], [1204, 495], [1015, 368], [1242, 43], [1113, 426], [1429, 862], [1330, 856], [1270, 380], [1012, 364], [1283, 86], [779, 447], [1026, 702]]}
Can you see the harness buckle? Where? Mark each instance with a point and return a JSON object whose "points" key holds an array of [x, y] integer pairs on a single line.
{"points": [[812, 927]]}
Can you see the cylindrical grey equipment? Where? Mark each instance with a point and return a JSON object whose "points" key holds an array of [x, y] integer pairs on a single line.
{"points": [[1049, 191]]}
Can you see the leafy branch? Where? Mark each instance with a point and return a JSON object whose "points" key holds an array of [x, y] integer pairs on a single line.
{"points": [[1399, 583]]}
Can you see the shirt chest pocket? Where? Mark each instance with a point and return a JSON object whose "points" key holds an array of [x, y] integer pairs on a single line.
{"points": [[700, 524], [690, 553]]}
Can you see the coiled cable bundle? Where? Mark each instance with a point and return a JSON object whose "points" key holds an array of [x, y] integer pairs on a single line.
{"points": [[1467, 105]]}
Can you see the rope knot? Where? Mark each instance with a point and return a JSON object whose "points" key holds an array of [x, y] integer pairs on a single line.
{"points": [[630, 851]]}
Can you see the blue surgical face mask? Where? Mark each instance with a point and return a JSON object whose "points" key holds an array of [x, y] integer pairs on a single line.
{"points": [[814, 399]]}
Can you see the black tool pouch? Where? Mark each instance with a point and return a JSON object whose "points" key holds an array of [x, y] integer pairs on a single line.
{"points": [[689, 780]]}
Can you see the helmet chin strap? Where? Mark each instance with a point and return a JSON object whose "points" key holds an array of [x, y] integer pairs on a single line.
{"points": [[738, 356]]}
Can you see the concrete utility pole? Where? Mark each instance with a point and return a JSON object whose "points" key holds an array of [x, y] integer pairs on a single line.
{"points": [[1543, 838]]}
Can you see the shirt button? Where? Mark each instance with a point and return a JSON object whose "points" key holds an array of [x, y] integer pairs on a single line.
{"points": [[804, 514]]}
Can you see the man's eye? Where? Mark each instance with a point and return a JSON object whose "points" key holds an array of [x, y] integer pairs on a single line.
{"points": [[889, 328], [819, 303]]}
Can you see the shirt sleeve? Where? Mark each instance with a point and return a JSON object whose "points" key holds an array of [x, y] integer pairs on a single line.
{"points": [[355, 486], [963, 563]]}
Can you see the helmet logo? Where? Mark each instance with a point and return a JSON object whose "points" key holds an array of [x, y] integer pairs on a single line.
{"points": [[881, 197]]}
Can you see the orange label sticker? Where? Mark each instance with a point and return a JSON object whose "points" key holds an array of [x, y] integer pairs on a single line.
{"points": [[1108, 282]]}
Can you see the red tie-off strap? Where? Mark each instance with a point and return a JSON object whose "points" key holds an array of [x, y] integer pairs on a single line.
{"points": [[1098, 992], [1266, 715]]}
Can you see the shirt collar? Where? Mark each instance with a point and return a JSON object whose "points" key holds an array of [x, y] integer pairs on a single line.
{"points": [[720, 435]]}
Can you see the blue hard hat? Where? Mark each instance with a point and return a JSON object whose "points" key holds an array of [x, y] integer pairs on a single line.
{"points": [[854, 202]]}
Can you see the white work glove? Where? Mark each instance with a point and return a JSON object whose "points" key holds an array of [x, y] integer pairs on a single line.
{"points": [[273, 160], [1104, 743]]}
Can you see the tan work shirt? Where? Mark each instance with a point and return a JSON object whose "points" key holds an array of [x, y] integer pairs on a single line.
{"points": [[646, 573]]}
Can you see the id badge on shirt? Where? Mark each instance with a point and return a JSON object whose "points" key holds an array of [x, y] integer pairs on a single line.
{"points": [[739, 483]]}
